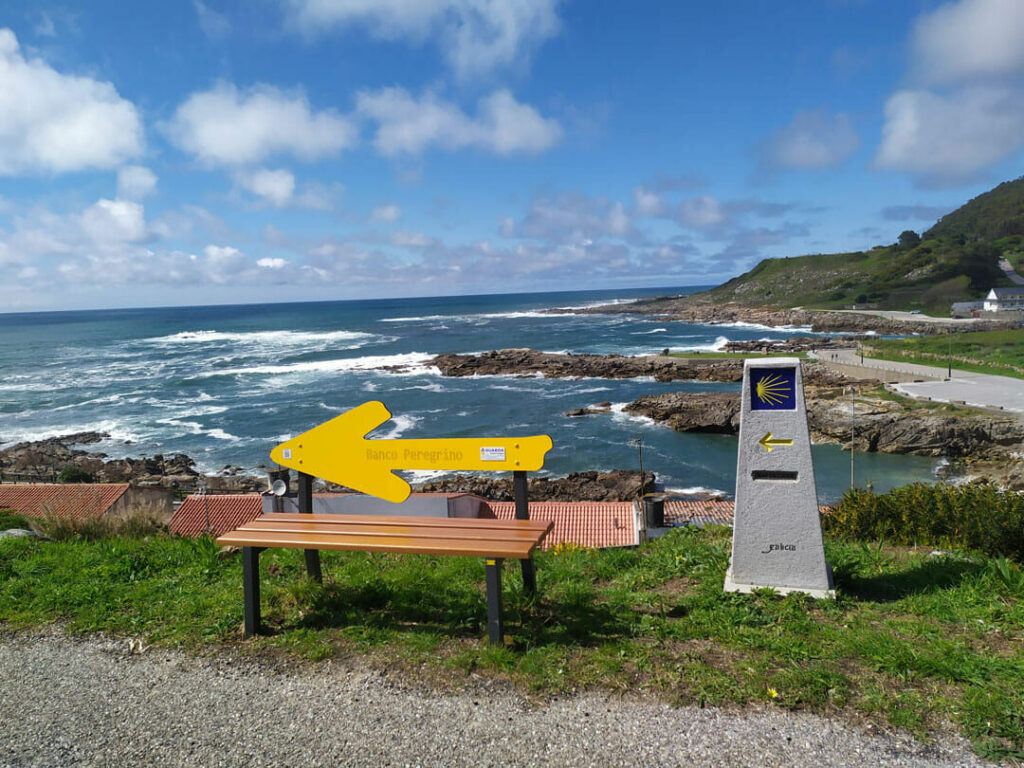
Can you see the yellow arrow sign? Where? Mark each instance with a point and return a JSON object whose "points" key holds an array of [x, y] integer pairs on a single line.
{"points": [[338, 451], [768, 442]]}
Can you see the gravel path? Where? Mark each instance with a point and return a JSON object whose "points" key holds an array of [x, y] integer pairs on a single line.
{"points": [[98, 702]]}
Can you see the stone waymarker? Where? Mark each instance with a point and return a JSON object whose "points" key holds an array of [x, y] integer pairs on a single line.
{"points": [[776, 538]]}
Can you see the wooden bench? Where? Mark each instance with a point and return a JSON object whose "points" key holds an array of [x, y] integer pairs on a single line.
{"points": [[493, 540]]}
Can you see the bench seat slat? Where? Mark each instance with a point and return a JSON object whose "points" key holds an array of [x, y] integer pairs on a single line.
{"points": [[474, 523], [401, 544], [316, 526]]}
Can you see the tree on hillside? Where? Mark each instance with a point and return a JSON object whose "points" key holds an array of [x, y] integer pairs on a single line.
{"points": [[909, 239]]}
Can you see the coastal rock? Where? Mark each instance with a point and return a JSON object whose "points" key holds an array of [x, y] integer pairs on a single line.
{"points": [[689, 310], [717, 412], [878, 425], [617, 485], [517, 362]]}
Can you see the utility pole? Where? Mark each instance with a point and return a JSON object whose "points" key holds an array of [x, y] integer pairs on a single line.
{"points": [[852, 434], [949, 359], [638, 441]]}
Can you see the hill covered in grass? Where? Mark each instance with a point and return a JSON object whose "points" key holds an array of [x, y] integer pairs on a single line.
{"points": [[955, 260]]}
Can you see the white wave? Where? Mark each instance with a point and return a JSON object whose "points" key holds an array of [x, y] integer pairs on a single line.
{"points": [[601, 303], [618, 411], [220, 434], [191, 427], [762, 327], [589, 390], [477, 317], [717, 346], [117, 432], [696, 490], [411, 362], [419, 476], [265, 338], [399, 425], [648, 333]]}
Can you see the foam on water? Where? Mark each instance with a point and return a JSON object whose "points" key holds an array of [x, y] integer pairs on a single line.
{"points": [[265, 338], [717, 346], [410, 363]]}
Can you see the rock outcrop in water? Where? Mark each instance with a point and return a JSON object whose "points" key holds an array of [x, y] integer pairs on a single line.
{"points": [[617, 485], [530, 362], [878, 425], [685, 309]]}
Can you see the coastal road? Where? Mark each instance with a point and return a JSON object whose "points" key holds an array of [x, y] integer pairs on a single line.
{"points": [[977, 389], [965, 323]]}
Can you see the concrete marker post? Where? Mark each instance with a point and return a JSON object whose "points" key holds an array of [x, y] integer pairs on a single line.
{"points": [[776, 539]]}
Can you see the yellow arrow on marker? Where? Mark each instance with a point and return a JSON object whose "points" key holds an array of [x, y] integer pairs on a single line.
{"points": [[768, 442], [338, 451]]}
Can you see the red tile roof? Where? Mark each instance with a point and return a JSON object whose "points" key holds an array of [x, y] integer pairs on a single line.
{"points": [[701, 512], [226, 512], [65, 500], [587, 523]]}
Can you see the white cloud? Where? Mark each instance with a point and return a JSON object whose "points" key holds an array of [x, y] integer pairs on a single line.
{"points": [[275, 187], [476, 36], [405, 239], [648, 203], [223, 262], [224, 126], [272, 263], [385, 214], [813, 140], [214, 25], [53, 123], [947, 138], [963, 112], [969, 39], [573, 217], [134, 182], [112, 222], [409, 126], [700, 212]]}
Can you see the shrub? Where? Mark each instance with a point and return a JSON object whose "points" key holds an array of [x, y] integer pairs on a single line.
{"points": [[134, 522], [975, 516], [74, 474], [11, 519]]}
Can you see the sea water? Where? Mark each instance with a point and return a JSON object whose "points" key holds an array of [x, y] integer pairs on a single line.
{"points": [[225, 384]]}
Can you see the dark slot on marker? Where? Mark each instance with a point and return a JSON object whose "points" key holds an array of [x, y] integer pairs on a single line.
{"points": [[772, 474]]}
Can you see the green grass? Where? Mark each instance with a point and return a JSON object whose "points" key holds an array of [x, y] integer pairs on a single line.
{"points": [[995, 352], [911, 640]]}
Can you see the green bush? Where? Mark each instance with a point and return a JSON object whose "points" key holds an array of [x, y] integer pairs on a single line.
{"points": [[73, 474], [11, 519], [975, 516]]}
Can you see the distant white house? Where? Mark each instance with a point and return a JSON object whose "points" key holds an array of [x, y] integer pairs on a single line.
{"points": [[1003, 299]]}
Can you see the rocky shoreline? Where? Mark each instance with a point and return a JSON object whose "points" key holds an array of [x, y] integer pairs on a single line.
{"points": [[530, 362], [878, 424], [684, 309]]}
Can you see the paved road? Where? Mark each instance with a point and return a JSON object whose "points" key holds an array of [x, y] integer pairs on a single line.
{"points": [[1007, 267], [977, 389], [957, 322]]}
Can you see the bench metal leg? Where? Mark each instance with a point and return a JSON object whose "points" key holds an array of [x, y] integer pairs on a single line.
{"points": [[495, 625], [529, 576], [520, 490], [251, 588], [306, 507]]}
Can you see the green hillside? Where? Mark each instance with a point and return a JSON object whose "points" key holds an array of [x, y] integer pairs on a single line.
{"points": [[956, 260]]}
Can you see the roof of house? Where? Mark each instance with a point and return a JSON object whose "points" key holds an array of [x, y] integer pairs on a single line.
{"points": [[224, 511], [65, 500], [587, 523], [679, 512], [1008, 290]]}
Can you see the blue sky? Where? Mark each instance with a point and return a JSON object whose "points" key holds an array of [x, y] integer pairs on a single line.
{"points": [[204, 151]]}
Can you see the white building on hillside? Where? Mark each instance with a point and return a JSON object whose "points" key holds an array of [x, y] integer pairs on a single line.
{"points": [[1002, 299]]}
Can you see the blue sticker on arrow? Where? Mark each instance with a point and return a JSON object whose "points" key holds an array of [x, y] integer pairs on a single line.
{"points": [[773, 389]]}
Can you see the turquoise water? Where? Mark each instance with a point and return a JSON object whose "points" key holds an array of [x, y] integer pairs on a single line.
{"points": [[225, 384]]}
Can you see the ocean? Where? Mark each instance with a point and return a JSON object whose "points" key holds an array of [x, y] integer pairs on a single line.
{"points": [[225, 384]]}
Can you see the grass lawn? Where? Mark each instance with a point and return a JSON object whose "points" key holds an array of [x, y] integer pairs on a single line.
{"points": [[730, 355], [912, 639], [996, 352]]}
